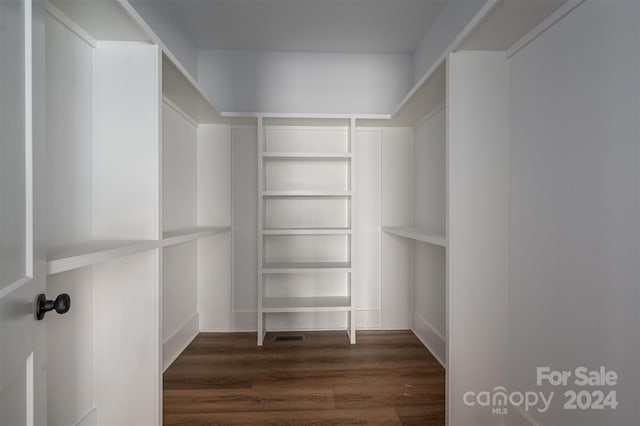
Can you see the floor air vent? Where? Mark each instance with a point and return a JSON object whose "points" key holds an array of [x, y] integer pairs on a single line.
{"points": [[289, 338]]}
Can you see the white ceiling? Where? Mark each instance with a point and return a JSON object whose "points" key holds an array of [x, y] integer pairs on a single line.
{"points": [[366, 26]]}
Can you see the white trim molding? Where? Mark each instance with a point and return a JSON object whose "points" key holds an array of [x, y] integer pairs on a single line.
{"points": [[179, 340], [429, 337]]}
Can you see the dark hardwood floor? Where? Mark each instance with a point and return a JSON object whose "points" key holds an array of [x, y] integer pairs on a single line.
{"points": [[387, 378]]}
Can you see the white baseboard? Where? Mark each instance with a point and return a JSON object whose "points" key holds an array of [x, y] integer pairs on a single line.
{"points": [[179, 340], [429, 337], [518, 417], [89, 419]]}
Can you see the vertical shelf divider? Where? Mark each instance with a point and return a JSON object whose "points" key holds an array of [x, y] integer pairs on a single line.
{"points": [[261, 326], [352, 241]]}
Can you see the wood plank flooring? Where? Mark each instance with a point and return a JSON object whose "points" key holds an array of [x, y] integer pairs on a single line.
{"points": [[387, 378]]}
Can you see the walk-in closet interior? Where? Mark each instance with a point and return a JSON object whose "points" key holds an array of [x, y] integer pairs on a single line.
{"points": [[195, 189]]}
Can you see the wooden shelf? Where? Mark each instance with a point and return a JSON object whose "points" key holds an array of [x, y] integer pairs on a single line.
{"points": [[306, 156], [297, 267], [416, 234], [306, 304], [78, 255], [306, 193], [308, 231], [170, 238]]}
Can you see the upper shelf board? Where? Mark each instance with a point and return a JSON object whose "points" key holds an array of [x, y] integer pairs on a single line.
{"points": [[416, 234], [86, 253], [104, 20], [508, 22], [78, 255], [170, 238], [419, 102], [186, 95]]}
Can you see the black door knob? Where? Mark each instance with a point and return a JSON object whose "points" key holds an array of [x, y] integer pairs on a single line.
{"points": [[61, 305]]}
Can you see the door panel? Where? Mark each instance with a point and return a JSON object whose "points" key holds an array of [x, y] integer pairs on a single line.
{"points": [[16, 334], [21, 336], [12, 143]]}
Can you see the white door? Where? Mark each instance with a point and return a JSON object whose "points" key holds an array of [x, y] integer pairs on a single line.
{"points": [[22, 338]]}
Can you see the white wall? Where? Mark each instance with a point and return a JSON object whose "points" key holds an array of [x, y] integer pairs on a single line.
{"points": [[180, 289], [396, 210], [244, 155], [179, 171], [575, 204], [179, 211], [429, 204], [125, 340], [450, 21], [368, 239], [69, 127], [70, 348], [129, 99], [277, 81], [429, 173], [214, 209], [159, 15]]}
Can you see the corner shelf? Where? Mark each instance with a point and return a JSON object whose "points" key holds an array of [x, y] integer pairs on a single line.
{"points": [[170, 238], [416, 234], [86, 253], [306, 304]]}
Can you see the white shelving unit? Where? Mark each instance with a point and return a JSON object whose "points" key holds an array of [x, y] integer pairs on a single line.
{"points": [[103, 211], [305, 181], [140, 211], [138, 203], [444, 199], [196, 213]]}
